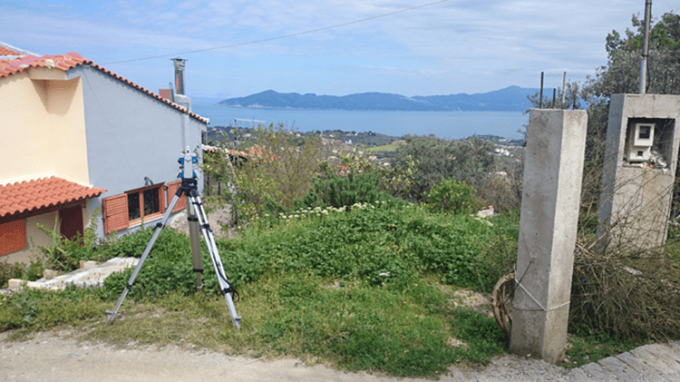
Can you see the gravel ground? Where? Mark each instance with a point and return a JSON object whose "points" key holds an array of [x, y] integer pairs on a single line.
{"points": [[49, 356], [52, 356]]}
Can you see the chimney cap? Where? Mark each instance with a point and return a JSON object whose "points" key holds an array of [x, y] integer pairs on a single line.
{"points": [[179, 62]]}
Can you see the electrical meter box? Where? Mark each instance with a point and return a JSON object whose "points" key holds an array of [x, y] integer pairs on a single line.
{"points": [[638, 173], [640, 142]]}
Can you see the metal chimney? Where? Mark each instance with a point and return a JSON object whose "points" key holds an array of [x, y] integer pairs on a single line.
{"points": [[179, 75]]}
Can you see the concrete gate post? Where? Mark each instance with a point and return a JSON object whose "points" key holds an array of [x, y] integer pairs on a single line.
{"points": [[553, 168]]}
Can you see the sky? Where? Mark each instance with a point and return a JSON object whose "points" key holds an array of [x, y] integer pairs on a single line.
{"points": [[417, 47]]}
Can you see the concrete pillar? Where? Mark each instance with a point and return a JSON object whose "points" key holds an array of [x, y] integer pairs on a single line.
{"points": [[636, 194], [553, 168]]}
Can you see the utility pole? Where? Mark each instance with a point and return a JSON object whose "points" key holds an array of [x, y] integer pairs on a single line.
{"points": [[645, 48]]}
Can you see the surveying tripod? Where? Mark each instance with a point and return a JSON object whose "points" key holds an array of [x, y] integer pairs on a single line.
{"points": [[190, 190]]}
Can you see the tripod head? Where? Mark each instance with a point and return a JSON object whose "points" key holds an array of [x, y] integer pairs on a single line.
{"points": [[186, 166]]}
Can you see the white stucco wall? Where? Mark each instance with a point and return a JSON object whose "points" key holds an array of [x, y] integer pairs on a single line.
{"points": [[130, 136]]}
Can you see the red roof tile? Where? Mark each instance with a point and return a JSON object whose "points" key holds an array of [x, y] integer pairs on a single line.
{"points": [[35, 195], [68, 61], [8, 52], [254, 151]]}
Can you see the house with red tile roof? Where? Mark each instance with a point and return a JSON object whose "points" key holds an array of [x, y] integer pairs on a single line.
{"points": [[84, 146]]}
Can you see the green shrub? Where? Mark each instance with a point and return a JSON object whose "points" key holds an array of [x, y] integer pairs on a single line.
{"points": [[280, 167], [450, 196], [340, 191], [437, 159], [501, 192], [367, 241], [65, 254], [373, 243], [167, 269], [10, 271]]}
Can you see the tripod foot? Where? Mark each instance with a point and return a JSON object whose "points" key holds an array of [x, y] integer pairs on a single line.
{"points": [[111, 315]]}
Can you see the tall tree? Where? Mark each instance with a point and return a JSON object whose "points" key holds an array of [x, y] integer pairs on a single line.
{"points": [[621, 75]]}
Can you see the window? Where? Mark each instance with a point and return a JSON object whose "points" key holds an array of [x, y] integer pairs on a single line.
{"points": [[12, 237], [145, 202], [129, 209]]}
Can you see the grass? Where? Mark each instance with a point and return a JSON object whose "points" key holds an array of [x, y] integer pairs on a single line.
{"points": [[356, 290], [592, 347], [392, 147], [402, 330]]}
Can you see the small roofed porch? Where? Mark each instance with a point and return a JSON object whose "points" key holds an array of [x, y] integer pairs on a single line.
{"points": [[25, 204]]}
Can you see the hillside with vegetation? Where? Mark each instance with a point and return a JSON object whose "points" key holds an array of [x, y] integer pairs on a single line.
{"points": [[229, 134]]}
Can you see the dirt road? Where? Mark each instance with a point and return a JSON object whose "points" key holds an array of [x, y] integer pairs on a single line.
{"points": [[48, 357]]}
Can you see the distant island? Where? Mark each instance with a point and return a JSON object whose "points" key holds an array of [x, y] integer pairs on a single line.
{"points": [[512, 98]]}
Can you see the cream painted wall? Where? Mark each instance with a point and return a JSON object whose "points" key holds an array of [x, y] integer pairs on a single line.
{"points": [[34, 237], [42, 130]]}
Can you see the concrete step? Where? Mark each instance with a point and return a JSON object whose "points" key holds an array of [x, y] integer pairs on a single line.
{"points": [[91, 274]]}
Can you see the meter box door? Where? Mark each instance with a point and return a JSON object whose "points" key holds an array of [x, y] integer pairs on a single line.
{"points": [[640, 141]]}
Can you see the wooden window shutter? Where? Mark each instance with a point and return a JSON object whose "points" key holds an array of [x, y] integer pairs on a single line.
{"points": [[12, 237], [172, 190], [161, 198], [115, 212]]}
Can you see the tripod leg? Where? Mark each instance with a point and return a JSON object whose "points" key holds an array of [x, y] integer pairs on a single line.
{"points": [[196, 258], [225, 286], [111, 314]]}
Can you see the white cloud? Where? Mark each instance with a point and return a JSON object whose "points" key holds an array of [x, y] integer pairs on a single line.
{"points": [[458, 45]]}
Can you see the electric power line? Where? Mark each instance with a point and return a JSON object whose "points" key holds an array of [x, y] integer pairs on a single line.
{"points": [[280, 37]]}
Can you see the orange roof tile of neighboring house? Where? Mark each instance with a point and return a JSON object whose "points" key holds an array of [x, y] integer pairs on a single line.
{"points": [[256, 152], [70, 60], [38, 194]]}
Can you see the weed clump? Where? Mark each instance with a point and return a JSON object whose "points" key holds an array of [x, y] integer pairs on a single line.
{"points": [[629, 297]]}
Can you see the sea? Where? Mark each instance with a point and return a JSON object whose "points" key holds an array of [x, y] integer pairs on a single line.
{"points": [[443, 124]]}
